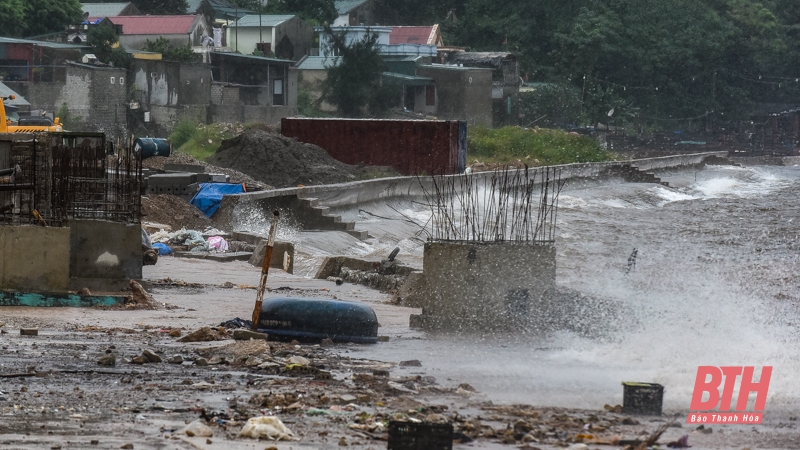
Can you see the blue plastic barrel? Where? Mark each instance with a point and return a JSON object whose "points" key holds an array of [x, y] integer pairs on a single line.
{"points": [[147, 147]]}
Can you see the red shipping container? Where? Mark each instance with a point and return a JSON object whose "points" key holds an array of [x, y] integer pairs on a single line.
{"points": [[412, 147]]}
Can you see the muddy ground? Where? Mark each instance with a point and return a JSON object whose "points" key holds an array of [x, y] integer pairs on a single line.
{"points": [[286, 162], [173, 211], [56, 395]]}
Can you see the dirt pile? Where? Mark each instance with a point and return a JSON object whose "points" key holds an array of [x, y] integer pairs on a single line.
{"points": [[173, 211], [286, 162], [156, 163]]}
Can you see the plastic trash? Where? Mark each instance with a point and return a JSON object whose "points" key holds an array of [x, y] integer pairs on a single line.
{"points": [[266, 427], [146, 244], [163, 249], [198, 428], [161, 236], [218, 243]]}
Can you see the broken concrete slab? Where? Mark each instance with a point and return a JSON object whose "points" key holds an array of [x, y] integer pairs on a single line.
{"points": [[243, 334]]}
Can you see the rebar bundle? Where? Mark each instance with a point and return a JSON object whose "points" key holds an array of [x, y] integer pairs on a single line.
{"points": [[503, 205]]}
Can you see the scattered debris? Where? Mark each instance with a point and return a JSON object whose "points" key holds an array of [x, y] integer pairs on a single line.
{"points": [[205, 334], [109, 359], [29, 331], [199, 429], [266, 427], [140, 299]]}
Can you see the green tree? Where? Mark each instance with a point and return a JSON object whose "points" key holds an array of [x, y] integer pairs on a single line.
{"points": [[170, 52], [102, 39], [12, 17], [161, 6], [47, 16], [355, 82], [315, 12]]}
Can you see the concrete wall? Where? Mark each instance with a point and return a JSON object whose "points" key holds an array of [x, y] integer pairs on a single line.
{"points": [[138, 41], [34, 259], [461, 93], [311, 80], [88, 92], [104, 253], [299, 33], [485, 285], [343, 196]]}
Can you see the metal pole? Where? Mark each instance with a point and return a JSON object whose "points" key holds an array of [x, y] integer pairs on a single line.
{"points": [[265, 271]]}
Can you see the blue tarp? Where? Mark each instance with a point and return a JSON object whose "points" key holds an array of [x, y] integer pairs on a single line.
{"points": [[210, 195], [163, 249]]}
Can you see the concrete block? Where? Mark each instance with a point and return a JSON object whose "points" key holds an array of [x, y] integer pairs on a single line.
{"points": [[178, 178], [245, 335], [282, 255], [219, 178], [102, 250], [191, 168], [35, 259], [486, 285]]}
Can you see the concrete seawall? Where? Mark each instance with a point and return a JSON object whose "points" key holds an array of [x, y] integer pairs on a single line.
{"points": [[346, 195]]}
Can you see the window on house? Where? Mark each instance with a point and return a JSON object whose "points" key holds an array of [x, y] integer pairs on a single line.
{"points": [[430, 95], [277, 92]]}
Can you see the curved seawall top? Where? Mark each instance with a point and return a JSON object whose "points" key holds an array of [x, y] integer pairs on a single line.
{"points": [[355, 192]]}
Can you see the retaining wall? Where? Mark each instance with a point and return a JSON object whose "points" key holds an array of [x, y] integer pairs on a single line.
{"points": [[34, 258], [357, 192]]}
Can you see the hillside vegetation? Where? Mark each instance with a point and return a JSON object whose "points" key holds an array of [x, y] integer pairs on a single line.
{"points": [[535, 146]]}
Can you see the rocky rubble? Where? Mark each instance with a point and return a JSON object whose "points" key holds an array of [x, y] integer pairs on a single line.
{"points": [[121, 382]]}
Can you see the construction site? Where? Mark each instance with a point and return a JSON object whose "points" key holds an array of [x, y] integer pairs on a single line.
{"points": [[288, 294]]}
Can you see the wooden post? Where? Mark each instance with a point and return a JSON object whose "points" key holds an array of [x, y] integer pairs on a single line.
{"points": [[264, 271]]}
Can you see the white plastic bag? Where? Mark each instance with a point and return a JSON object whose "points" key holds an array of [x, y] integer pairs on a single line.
{"points": [[266, 427]]}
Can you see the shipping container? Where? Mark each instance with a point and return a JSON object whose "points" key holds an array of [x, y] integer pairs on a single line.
{"points": [[412, 147]]}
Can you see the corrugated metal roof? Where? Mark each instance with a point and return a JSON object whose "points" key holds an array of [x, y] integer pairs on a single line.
{"points": [[485, 58], [407, 80], [412, 35], [253, 57], [5, 91], [8, 40], [220, 7], [345, 6], [104, 9], [251, 20], [317, 63], [155, 25]]}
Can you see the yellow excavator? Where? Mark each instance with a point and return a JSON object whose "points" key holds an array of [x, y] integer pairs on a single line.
{"points": [[26, 124]]}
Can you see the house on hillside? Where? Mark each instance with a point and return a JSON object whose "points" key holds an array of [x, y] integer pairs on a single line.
{"points": [[505, 81], [249, 88], [459, 93], [383, 42], [94, 11], [283, 36], [29, 60], [356, 13], [178, 30], [431, 35]]}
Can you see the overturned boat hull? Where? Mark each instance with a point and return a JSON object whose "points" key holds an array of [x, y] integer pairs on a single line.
{"points": [[314, 319]]}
